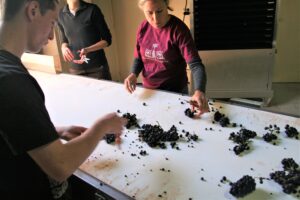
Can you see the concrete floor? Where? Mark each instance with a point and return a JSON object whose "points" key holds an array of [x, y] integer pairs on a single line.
{"points": [[286, 99]]}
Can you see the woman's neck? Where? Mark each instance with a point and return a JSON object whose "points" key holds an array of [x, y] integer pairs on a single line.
{"points": [[73, 5]]}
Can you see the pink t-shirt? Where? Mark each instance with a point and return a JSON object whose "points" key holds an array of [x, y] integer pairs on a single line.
{"points": [[164, 53]]}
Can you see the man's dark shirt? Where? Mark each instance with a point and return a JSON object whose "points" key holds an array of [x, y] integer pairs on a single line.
{"points": [[24, 125]]}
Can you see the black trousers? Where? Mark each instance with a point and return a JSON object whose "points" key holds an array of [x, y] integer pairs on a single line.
{"points": [[101, 72]]}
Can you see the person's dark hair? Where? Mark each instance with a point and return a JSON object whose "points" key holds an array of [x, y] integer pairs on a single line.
{"points": [[9, 8]]}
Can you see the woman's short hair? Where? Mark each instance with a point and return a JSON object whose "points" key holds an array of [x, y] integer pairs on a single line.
{"points": [[142, 2]]}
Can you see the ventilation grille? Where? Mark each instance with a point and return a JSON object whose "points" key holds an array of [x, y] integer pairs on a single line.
{"points": [[234, 24]]}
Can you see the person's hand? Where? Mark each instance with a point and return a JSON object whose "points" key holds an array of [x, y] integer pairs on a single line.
{"points": [[82, 54], [199, 103], [81, 61], [130, 83], [110, 123], [67, 54], [70, 132]]}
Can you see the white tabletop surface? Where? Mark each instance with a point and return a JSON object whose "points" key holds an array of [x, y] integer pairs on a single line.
{"points": [[73, 100]]}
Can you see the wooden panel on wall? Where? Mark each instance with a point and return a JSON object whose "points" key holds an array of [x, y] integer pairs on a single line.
{"points": [[111, 52], [287, 60]]}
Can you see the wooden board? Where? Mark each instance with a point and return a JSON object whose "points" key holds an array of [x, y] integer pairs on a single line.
{"points": [[80, 101], [40, 62]]}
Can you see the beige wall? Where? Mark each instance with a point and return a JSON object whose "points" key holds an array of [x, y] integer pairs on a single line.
{"points": [[53, 48], [124, 16], [127, 17], [111, 52], [287, 61]]}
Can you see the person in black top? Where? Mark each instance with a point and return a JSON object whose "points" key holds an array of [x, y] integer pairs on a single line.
{"points": [[84, 34], [35, 164]]}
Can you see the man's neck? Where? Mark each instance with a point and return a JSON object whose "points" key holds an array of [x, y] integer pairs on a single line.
{"points": [[15, 45]]}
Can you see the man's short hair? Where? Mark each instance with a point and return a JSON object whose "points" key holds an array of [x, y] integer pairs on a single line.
{"points": [[9, 8]]}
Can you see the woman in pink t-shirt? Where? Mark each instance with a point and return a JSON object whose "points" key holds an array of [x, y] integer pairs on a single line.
{"points": [[164, 47]]}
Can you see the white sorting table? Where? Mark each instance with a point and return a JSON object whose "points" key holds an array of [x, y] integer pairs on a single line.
{"points": [[74, 100]]}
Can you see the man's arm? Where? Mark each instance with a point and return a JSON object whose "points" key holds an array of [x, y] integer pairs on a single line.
{"points": [[60, 160], [70, 132]]}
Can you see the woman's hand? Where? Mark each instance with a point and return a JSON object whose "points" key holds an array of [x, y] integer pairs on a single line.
{"points": [[82, 54], [67, 53], [199, 103], [130, 83]]}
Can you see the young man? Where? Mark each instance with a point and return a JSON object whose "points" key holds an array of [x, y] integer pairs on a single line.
{"points": [[33, 158]]}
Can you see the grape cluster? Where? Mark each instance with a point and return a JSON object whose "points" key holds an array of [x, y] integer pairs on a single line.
{"points": [[243, 186], [289, 178], [154, 135], [270, 135], [273, 128], [110, 138], [291, 132], [218, 116], [188, 112], [242, 139], [242, 136], [132, 120], [289, 164], [143, 153], [192, 137], [222, 119], [238, 149]]}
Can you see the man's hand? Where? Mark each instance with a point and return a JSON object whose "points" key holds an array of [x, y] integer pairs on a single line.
{"points": [[70, 132]]}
